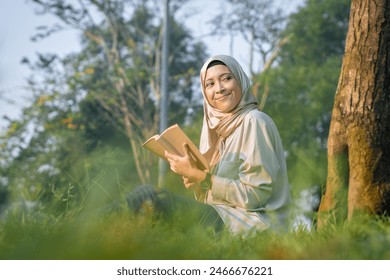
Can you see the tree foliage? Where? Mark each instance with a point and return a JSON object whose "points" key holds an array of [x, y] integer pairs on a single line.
{"points": [[260, 23], [303, 83], [107, 93]]}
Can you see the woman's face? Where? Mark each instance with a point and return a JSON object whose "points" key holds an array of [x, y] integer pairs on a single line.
{"points": [[222, 90]]}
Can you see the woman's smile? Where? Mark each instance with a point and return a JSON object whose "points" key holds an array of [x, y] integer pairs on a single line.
{"points": [[222, 90], [222, 96]]}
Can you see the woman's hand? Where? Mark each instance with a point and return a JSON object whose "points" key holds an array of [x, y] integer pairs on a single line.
{"points": [[189, 183], [185, 166]]}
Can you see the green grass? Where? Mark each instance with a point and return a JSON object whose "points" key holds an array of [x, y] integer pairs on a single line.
{"points": [[120, 236], [68, 227]]}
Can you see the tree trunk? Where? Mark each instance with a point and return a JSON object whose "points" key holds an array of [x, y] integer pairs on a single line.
{"points": [[359, 138]]}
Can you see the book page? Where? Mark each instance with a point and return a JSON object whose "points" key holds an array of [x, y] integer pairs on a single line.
{"points": [[176, 138], [153, 145], [172, 140]]}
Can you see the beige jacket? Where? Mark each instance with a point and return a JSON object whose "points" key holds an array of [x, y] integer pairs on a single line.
{"points": [[250, 188]]}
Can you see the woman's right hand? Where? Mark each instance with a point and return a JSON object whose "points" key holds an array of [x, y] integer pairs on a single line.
{"points": [[189, 183]]}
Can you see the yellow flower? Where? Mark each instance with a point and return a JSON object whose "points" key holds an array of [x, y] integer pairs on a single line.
{"points": [[89, 71], [42, 99], [67, 120]]}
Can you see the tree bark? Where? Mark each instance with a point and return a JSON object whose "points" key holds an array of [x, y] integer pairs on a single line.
{"points": [[359, 138]]}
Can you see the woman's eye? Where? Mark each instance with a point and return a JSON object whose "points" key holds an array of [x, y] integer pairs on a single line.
{"points": [[226, 78], [209, 84]]}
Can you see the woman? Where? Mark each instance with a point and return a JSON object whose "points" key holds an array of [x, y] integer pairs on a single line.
{"points": [[247, 183]]}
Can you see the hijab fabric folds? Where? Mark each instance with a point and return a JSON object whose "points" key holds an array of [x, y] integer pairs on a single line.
{"points": [[217, 125]]}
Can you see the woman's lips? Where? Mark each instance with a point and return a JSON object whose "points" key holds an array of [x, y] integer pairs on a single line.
{"points": [[220, 97]]}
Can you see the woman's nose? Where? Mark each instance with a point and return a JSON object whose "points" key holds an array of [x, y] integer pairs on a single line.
{"points": [[219, 88]]}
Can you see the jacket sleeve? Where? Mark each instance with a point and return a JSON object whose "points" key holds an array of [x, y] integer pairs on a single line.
{"points": [[248, 180]]}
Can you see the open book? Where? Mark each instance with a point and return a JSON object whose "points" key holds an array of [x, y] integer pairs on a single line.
{"points": [[172, 140]]}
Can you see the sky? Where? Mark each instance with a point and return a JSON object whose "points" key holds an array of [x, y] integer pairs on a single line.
{"points": [[18, 23]]}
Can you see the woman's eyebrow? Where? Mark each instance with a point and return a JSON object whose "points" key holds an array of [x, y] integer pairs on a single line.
{"points": [[208, 80], [227, 73], [218, 76]]}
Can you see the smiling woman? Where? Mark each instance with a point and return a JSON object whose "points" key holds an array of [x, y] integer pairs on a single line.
{"points": [[246, 186], [222, 90]]}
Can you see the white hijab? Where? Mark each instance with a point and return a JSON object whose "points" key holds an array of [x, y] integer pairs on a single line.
{"points": [[217, 126]]}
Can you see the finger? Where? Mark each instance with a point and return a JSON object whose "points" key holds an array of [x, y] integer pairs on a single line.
{"points": [[171, 157], [188, 179], [188, 182], [171, 162], [168, 155], [189, 185], [172, 167]]}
